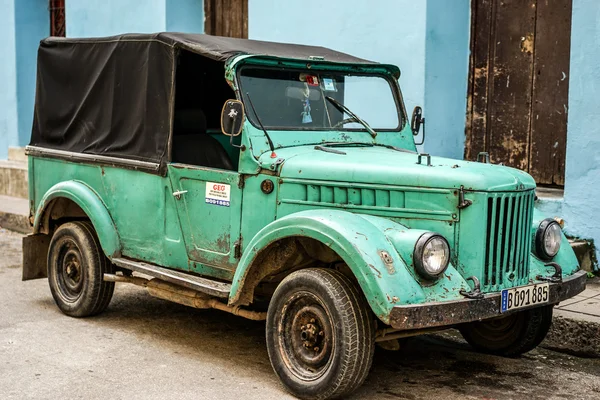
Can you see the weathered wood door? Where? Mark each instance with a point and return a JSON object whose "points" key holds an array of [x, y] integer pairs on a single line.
{"points": [[226, 18], [519, 83]]}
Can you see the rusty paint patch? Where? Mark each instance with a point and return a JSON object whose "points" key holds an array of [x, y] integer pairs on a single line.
{"points": [[376, 270], [362, 234], [388, 261]]}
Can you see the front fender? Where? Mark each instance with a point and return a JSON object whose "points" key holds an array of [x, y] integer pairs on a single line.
{"points": [[565, 257], [359, 240], [91, 204]]}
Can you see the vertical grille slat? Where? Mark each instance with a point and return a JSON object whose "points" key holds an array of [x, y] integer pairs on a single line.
{"points": [[529, 222], [491, 231], [508, 243], [499, 245], [518, 234], [507, 237], [512, 266]]}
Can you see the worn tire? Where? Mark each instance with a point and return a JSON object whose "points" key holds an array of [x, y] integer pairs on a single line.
{"points": [[512, 335], [324, 309], [76, 267]]}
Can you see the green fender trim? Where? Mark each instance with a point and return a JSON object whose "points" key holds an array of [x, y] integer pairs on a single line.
{"points": [[92, 205], [359, 241]]}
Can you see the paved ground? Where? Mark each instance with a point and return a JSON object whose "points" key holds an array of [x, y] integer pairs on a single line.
{"points": [[145, 348]]}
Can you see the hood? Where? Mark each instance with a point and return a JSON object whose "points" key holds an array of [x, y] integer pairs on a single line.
{"points": [[380, 165]]}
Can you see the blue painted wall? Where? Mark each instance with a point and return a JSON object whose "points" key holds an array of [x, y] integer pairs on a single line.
{"points": [[185, 16], [428, 40], [446, 76], [8, 79], [581, 207], [110, 17], [388, 31], [91, 18], [32, 24]]}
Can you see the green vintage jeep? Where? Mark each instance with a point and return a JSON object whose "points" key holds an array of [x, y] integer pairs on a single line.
{"points": [[243, 176]]}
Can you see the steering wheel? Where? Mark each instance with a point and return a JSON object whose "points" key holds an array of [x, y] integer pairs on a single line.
{"points": [[345, 121]]}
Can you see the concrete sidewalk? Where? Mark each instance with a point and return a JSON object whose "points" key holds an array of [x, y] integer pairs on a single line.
{"points": [[14, 214], [576, 324]]}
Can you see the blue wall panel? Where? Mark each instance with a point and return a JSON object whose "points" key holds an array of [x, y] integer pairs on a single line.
{"points": [[581, 207], [446, 76], [32, 24], [388, 31], [91, 18], [8, 79], [185, 16]]}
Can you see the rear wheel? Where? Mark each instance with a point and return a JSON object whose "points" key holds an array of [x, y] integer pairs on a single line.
{"points": [[512, 335], [320, 334], [76, 268]]}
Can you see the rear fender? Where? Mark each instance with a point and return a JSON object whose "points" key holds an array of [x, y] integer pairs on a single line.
{"points": [[93, 207]]}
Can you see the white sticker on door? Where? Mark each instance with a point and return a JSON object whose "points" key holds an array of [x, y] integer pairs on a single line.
{"points": [[217, 194]]}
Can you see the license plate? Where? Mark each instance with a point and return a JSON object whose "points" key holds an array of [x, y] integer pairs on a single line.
{"points": [[524, 296]]}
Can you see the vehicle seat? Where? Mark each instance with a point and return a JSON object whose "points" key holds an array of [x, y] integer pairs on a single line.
{"points": [[193, 145]]}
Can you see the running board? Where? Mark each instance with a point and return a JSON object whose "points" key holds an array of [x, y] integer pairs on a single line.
{"points": [[208, 286]]}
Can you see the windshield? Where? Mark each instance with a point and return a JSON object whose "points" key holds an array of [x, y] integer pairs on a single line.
{"points": [[294, 99]]}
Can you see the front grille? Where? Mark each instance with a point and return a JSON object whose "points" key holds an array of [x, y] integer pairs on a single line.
{"points": [[508, 241]]}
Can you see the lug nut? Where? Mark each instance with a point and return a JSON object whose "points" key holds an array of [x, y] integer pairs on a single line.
{"points": [[316, 349], [321, 333], [312, 320]]}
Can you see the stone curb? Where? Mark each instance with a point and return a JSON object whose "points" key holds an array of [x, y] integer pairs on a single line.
{"points": [[580, 338], [15, 222]]}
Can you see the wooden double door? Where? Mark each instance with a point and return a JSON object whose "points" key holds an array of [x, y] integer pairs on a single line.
{"points": [[519, 83]]}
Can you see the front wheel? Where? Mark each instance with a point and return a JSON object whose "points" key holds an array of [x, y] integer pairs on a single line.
{"points": [[512, 335], [320, 334], [76, 268]]}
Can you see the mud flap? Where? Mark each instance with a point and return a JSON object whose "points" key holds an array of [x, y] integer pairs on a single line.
{"points": [[35, 255]]}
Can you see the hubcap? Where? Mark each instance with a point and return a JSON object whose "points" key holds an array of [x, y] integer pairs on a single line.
{"points": [[306, 336], [70, 272]]}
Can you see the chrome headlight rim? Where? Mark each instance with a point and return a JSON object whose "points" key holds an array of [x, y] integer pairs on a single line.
{"points": [[420, 246], [540, 234]]}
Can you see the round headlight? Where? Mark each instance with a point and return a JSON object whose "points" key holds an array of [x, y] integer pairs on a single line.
{"points": [[431, 255], [547, 239]]}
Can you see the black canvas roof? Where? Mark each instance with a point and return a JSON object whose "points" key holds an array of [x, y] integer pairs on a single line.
{"points": [[113, 96], [222, 48]]}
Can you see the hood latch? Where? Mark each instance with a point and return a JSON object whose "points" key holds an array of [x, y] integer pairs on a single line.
{"points": [[462, 202]]}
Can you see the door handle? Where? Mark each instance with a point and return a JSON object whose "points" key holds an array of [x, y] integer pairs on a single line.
{"points": [[178, 193]]}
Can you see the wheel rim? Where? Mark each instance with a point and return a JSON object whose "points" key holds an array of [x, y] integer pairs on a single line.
{"points": [[500, 330], [70, 271], [306, 339]]}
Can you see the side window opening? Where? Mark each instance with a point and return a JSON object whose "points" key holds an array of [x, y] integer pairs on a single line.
{"points": [[200, 92]]}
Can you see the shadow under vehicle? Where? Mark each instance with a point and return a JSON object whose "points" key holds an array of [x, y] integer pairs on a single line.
{"points": [[278, 182]]}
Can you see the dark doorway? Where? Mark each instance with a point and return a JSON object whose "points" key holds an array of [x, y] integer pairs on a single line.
{"points": [[226, 18], [57, 18], [519, 84]]}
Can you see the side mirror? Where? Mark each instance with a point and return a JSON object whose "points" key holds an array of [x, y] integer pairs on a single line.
{"points": [[232, 118], [416, 121]]}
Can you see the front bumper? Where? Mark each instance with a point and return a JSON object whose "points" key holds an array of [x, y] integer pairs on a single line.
{"points": [[429, 315]]}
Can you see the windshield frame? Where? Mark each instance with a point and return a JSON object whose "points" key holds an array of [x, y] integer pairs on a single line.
{"points": [[323, 69]]}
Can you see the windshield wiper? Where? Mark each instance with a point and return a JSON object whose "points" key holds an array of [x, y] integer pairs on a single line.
{"points": [[261, 125], [348, 144], [343, 108]]}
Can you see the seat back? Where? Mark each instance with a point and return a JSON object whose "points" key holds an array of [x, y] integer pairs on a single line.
{"points": [[193, 145]]}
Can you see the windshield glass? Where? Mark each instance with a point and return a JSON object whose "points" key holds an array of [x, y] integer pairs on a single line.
{"points": [[293, 99]]}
